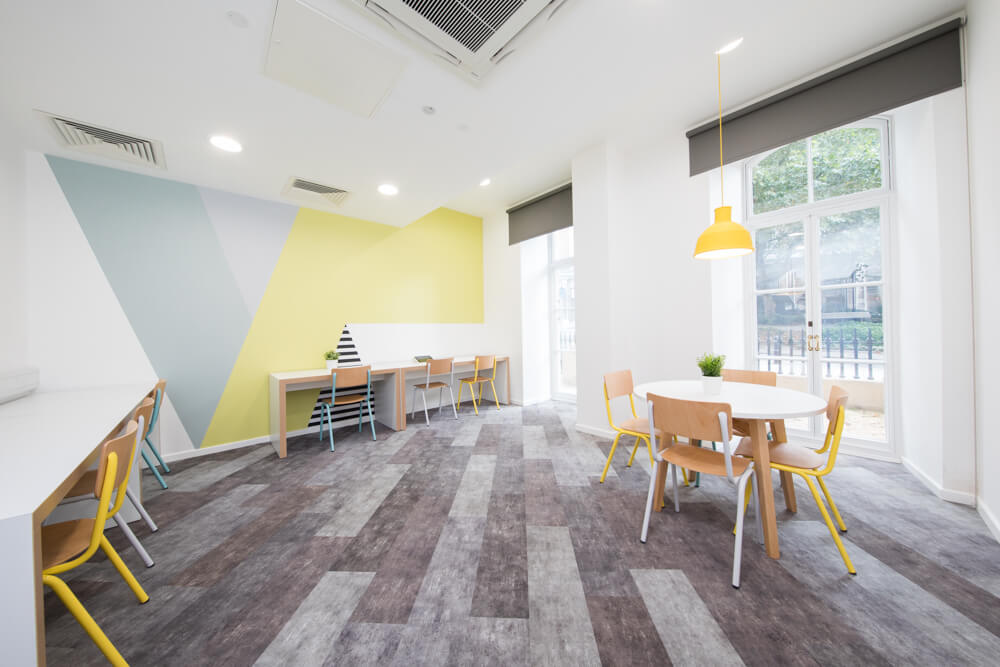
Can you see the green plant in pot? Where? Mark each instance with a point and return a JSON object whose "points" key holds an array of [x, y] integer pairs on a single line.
{"points": [[331, 357], [711, 372]]}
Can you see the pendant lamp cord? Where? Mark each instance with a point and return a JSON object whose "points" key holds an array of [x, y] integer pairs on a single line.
{"points": [[722, 183]]}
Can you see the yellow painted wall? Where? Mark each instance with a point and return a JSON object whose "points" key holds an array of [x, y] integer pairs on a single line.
{"points": [[334, 270]]}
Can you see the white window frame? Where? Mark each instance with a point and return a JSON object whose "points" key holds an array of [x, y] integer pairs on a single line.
{"points": [[883, 198], [554, 266]]}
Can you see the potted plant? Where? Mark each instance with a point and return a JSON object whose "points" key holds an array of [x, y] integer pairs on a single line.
{"points": [[711, 372], [331, 357]]}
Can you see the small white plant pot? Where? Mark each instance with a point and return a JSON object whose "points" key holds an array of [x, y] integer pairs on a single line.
{"points": [[331, 364], [712, 386]]}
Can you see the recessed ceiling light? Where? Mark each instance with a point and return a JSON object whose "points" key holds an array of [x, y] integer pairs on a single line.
{"points": [[388, 189], [729, 47], [484, 182], [429, 110], [224, 143], [237, 19]]}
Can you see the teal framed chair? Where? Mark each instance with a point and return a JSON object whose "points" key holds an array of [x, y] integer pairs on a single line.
{"points": [[157, 395], [348, 377]]}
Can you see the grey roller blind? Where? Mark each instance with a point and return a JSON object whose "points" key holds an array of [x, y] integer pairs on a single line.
{"points": [[541, 215], [918, 67]]}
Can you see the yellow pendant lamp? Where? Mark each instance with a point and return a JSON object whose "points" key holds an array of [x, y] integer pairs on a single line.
{"points": [[723, 238]]}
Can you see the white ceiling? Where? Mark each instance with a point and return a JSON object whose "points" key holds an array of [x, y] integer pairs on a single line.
{"points": [[180, 71]]}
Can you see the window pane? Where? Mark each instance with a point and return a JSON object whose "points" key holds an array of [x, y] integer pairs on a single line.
{"points": [[850, 247], [565, 325], [846, 160], [781, 179], [781, 333], [562, 244], [780, 251]]}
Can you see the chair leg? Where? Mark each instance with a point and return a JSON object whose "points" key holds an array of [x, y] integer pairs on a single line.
{"points": [[461, 386], [833, 506], [611, 455], [740, 511], [677, 496], [635, 448], [152, 468], [649, 502], [427, 417], [755, 507], [84, 618], [322, 419], [141, 510], [125, 573], [156, 453], [413, 403], [649, 450], [475, 405], [361, 416], [829, 524], [440, 400], [133, 540], [371, 418], [495, 397], [452, 394]]}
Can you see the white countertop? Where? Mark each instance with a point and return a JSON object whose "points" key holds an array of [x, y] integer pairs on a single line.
{"points": [[748, 401], [46, 435], [408, 364]]}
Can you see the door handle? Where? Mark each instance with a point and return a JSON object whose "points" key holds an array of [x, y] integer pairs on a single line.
{"points": [[812, 343]]}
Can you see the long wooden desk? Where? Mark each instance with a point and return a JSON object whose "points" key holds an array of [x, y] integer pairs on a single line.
{"points": [[389, 383], [48, 440]]}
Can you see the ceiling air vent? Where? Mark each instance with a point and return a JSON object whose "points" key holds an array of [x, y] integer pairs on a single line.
{"points": [[105, 142], [471, 35], [309, 192]]}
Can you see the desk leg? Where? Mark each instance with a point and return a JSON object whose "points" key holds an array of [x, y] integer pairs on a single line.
{"points": [[787, 480], [22, 620], [507, 392], [765, 490], [278, 417]]}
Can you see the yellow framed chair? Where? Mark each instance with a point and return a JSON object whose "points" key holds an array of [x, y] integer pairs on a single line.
{"points": [[483, 362], [619, 384], [815, 464], [696, 420], [69, 544]]}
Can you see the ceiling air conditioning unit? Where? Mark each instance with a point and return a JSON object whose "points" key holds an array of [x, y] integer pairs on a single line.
{"points": [[472, 36]]}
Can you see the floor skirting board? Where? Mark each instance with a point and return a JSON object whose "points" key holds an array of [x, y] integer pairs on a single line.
{"points": [[950, 495]]}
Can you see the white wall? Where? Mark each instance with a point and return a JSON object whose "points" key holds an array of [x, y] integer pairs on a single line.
{"points": [[13, 304], [727, 276], [643, 302], [983, 57], [932, 285]]}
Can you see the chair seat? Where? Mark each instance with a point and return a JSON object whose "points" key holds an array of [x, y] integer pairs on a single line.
{"points": [[65, 540], [637, 425], [476, 380], [430, 385], [345, 400], [786, 454], [702, 459]]}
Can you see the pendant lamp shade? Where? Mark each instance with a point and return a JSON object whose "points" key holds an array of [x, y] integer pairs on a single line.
{"points": [[723, 238]]}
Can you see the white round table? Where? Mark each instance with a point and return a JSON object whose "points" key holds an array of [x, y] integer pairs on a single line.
{"points": [[756, 404]]}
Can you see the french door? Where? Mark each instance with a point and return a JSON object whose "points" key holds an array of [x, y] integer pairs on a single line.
{"points": [[819, 315]]}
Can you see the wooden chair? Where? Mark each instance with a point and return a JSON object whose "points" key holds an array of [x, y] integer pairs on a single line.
{"points": [[808, 463], [69, 544], [619, 384], [767, 378], [436, 367], [697, 420], [348, 377], [157, 395], [482, 363], [86, 485]]}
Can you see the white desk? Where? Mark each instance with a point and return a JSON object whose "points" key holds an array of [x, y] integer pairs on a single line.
{"points": [[47, 441], [388, 385], [757, 404]]}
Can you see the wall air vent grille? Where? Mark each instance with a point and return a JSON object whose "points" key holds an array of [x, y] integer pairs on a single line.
{"points": [[469, 22], [309, 191], [106, 142]]}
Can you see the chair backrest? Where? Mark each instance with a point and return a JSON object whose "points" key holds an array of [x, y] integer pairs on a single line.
{"points": [[159, 391], [769, 378], [122, 446], [357, 376], [836, 412], [618, 384], [145, 411], [484, 361], [440, 367], [695, 420]]}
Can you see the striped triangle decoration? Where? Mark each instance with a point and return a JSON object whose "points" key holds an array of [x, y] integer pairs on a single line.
{"points": [[343, 415]]}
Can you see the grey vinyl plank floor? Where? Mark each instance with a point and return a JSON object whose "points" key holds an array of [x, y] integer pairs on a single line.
{"points": [[490, 541]]}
